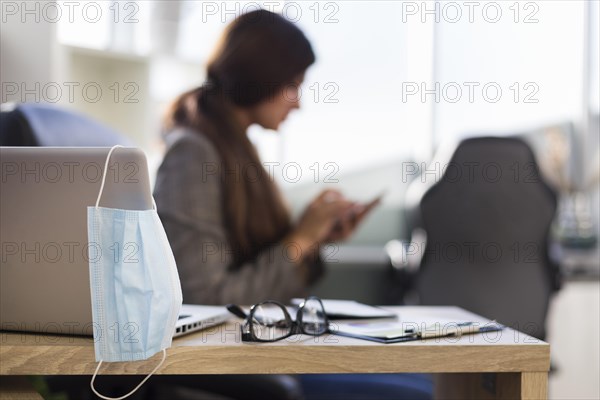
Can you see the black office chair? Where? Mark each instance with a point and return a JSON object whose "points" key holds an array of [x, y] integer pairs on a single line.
{"points": [[486, 220], [40, 124]]}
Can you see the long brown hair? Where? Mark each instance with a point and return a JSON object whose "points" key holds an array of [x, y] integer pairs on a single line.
{"points": [[259, 53]]}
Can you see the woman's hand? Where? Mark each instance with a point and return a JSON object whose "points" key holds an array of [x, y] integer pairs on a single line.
{"points": [[349, 221], [319, 219], [346, 224]]}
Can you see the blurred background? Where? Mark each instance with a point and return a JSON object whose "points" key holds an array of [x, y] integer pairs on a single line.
{"points": [[395, 82]]}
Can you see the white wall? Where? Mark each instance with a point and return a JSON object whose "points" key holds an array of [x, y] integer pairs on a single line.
{"points": [[29, 54]]}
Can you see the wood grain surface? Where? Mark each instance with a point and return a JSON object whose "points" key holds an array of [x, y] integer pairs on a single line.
{"points": [[219, 350]]}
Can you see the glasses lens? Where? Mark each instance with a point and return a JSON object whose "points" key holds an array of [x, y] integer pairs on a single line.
{"points": [[313, 318], [269, 322]]}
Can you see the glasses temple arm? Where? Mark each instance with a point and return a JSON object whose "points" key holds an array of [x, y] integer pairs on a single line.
{"points": [[236, 310]]}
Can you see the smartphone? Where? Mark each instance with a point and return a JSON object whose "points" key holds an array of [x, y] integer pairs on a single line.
{"points": [[376, 201], [359, 210], [364, 208]]}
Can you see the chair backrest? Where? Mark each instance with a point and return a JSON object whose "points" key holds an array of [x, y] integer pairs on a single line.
{"points": [[14, 128], [487, 221], [33, 124]]}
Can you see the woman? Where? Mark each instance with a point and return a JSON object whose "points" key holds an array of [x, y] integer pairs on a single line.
{"points": [[229, 228]]}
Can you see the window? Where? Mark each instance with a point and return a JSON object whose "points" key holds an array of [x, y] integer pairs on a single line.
{"points": [[352, 114], [518, 65]]}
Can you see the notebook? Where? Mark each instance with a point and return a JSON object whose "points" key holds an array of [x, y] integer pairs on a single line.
{"points": [[395, 332], [349, 309]]}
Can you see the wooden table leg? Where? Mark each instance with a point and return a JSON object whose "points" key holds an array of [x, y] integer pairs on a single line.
{"points": [[492, 386], [17, 388], [534, 385]]}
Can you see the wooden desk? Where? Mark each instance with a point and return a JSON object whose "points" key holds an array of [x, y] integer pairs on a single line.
{"points": [[494, 365]]}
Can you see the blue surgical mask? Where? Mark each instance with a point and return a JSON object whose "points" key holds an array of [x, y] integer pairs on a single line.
{"points": [[135, 288]]}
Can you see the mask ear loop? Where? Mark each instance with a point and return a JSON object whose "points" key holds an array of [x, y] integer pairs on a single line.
{"points": [[134, 389], [164, 356], [105, 172], [104, 177]]}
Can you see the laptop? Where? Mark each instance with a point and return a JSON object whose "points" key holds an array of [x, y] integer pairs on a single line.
{"points": [[44, 270]]}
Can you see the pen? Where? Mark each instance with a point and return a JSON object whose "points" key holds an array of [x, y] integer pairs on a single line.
{"points": [[455, 329]]}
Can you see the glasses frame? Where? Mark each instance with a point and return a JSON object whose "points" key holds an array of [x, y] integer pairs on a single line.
{"points": [[295, 326]]}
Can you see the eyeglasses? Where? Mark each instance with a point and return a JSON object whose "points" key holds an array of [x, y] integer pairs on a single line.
{"points": [[270, 321]]}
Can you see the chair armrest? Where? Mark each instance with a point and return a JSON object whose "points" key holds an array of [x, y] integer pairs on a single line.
{"points": [[407, 255]]}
